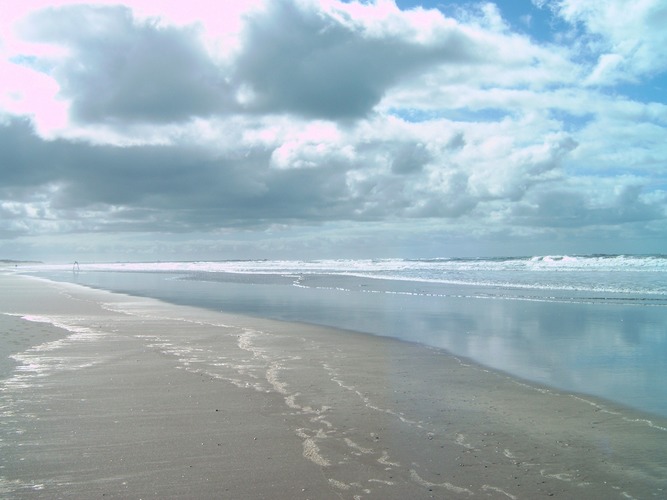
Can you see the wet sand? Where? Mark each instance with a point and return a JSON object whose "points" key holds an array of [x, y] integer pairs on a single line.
{"points": [[130, 397]]}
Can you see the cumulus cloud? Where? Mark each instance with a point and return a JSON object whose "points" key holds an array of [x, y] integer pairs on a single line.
{"points": [[119, 69], [602, 203], [322, 63], [326, 114], [629, 38]]}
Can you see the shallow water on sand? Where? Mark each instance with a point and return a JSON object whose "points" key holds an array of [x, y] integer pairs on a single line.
{"points": [[615, 351]]}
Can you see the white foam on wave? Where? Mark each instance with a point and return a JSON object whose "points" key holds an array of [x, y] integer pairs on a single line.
{"points": [[246, 342], [298, 267], [566, 477], [357, 448], [15, 486], [339, 484], [487, 487], [602, 274], [311, 450], [336, 378], [272, 377], [385, 460], [58, 322], [42, 359], [445, 485], [599, 407], [461, 441]]}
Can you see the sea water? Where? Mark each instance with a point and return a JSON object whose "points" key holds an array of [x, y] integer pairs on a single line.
{"points": [[593, 324]]}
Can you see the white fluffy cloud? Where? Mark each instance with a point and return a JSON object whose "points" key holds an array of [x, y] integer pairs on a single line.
{"points": [[628, 39], [223, 118]]}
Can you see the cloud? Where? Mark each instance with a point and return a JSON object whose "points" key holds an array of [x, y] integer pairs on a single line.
{"points": [[298, 180], [294, 57], [118, 69], [573, 206], [293, 119], [169, 187], [630, 39], [322, 63]]}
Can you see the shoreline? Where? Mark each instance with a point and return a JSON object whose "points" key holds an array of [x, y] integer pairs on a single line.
{"points": [[604, 404], [174, 400], [609, 352]]}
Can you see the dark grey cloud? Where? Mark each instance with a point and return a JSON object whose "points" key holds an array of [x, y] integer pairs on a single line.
{"points": [[409, 157], [570, 208], [23, 157], [121, 69], [179, 188], [182, 188], [189, 188], [89, 174], [455, 201], [299, 60], [172, 188], [294, 59]]}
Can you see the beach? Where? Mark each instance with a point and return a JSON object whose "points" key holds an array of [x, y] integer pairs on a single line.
{"points": [[130, 397]]}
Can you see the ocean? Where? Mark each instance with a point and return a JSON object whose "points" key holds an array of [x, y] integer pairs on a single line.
{"points": [[592, 325]]}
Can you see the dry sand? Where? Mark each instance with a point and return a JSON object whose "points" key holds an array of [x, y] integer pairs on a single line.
{"points": [[130, 397]]}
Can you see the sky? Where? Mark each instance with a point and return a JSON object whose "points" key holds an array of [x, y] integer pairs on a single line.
{"points": [[306, 129]]}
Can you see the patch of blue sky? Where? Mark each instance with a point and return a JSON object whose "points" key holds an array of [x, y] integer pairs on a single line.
{"points": [[31, 62], [571, 122], [648, 90], [22, 60], [416, 115], [522, 16]]}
